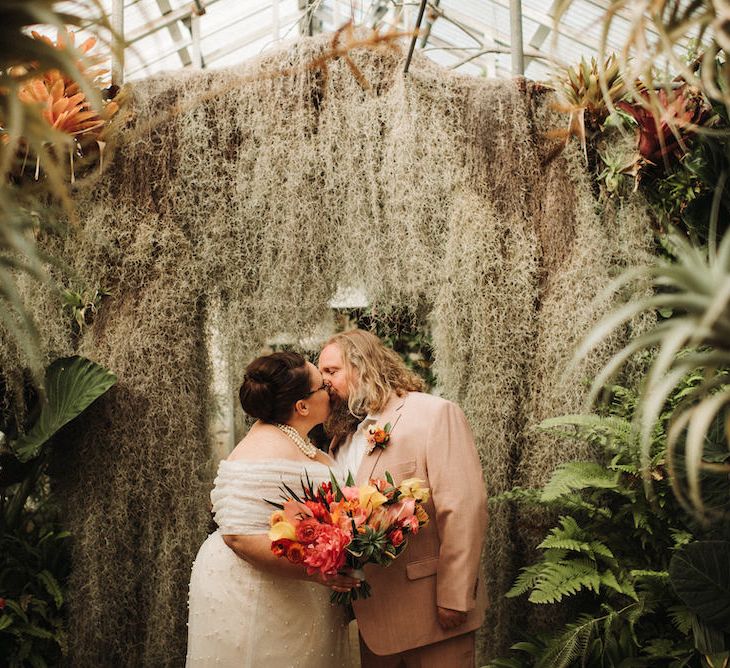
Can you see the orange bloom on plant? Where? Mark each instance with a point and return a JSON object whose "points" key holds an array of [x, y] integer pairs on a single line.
{"points": [[62, 103]]}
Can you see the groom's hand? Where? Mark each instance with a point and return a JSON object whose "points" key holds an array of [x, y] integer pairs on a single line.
{"points": [[450, 619]]}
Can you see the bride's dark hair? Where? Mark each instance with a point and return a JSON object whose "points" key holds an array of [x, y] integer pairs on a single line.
{"points": [[272, 384]]}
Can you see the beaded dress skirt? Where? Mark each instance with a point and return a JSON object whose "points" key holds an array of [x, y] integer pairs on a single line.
{"points": [[240, 616]]}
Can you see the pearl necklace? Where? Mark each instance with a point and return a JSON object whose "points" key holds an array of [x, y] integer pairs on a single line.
{"points": [[306, 447]]}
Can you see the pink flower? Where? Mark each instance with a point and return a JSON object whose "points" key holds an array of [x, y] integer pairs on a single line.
{"points": [[327, 553], [295, 511], [412, 524], [351, 493], [400, 511]]}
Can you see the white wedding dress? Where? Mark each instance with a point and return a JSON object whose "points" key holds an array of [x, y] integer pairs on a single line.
{"points": [[240, 616]]}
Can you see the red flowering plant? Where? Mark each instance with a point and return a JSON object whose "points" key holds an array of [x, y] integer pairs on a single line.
{"points": [[332, 529], [663, 130]]}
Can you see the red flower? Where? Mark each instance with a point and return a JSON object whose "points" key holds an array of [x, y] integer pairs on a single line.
{"points": [[308, 530], [324, 493], [677, 114], [319, 512], [295, 553], [396, 537]]}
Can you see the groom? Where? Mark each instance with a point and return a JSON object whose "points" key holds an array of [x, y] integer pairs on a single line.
{"points": [[427, 604]]}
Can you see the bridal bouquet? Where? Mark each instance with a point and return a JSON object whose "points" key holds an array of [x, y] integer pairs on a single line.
{"points": [[329, 528]]}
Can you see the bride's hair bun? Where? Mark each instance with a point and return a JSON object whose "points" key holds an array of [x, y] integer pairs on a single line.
{"points": [[272, 385]]}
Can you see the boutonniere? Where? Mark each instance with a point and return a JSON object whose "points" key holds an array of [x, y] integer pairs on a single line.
{"points": [[378, 437]]}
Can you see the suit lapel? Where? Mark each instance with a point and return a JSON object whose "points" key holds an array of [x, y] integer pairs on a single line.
{"points": [[390, 413]]}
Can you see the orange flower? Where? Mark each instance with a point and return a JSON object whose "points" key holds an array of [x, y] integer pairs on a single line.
{"points": [[63, 105], [295, 554], [377, 436], [87, 65], [280, 547]]}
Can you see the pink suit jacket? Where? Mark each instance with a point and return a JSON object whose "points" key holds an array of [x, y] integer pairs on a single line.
{"points": [[431, 440]]}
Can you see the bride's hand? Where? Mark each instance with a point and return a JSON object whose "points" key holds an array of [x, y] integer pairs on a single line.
{"points": [[338, 583]]}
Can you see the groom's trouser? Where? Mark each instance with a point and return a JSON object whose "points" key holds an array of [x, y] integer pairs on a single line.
{"points": [[456, 652]]}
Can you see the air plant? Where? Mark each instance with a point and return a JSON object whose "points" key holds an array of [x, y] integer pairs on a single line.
{"points": [[656, 28], [618, 164], [580, 95], [696, 287], [664, 130]]}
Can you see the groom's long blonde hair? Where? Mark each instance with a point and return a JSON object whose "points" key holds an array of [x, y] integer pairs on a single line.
{"points": [[373, 371]]}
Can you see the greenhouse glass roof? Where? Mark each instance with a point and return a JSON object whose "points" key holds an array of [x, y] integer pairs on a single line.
{"points": [[472, 36]]}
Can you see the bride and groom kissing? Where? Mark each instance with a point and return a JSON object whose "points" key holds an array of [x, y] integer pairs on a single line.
{"points": [[249, 608]]}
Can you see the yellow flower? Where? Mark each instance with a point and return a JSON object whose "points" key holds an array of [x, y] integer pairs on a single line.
{"points": [[276, 517], [371, 498], [282, 530], [411, 488]]}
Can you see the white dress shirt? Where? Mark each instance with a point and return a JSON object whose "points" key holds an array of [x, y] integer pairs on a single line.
{"points": [[349, 455]]}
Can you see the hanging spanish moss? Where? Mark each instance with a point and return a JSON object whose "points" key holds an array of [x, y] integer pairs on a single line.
{"points": [[256, 199]]}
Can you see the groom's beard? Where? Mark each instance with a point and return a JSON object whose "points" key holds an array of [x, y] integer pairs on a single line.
{"points": [[340, 423]]}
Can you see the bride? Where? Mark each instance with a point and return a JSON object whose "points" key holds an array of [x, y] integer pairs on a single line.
{"points": [[246, 606]]}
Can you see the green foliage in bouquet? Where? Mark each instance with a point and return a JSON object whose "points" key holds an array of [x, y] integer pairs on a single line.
{"points": [[34, 557], [648, 581]]}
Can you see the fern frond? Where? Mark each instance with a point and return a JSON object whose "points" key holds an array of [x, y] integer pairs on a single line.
{"points": [[573, 476], [559, 580], [569, 536], [574, 503], [525, 580], [608, 579], [681, 618], [608, 428], [520, 495], [571, 645], [626, 469], [659, 575]]}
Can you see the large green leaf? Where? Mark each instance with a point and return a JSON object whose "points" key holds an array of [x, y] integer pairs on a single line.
{"points": [[71, 385], [700, 574]]}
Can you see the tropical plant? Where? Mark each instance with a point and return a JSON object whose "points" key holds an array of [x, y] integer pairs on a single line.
{"points": [[82, 305], [660, 138], [676, 164], [657, 35], [33, 553], [630, 560], [695, 288], [580, 95], [25, 206]]}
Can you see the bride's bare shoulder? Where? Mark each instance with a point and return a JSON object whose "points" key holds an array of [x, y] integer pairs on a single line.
{"points": [[263, 441]]}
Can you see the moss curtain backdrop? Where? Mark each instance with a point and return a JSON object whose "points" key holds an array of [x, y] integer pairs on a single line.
{"points": [[263, 194]]}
